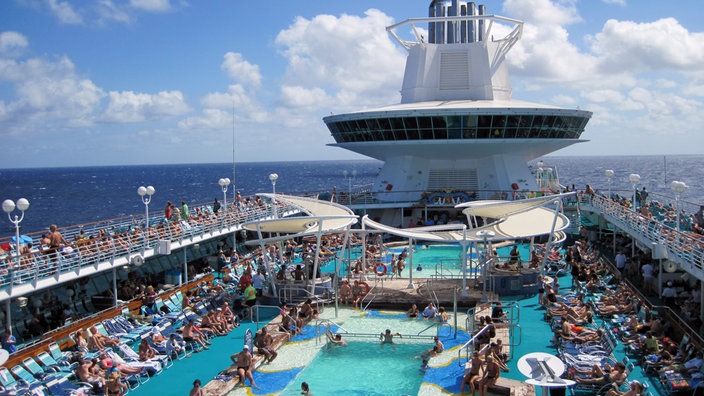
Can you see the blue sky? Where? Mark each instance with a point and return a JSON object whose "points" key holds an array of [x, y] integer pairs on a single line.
{"points": [[86, 83]]}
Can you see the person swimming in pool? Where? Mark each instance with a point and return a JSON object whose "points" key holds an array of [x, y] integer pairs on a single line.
{"points": [[335, 340], [387, 337]]}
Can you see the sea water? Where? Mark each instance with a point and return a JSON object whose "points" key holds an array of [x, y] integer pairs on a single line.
{"points": [[70, 196]]}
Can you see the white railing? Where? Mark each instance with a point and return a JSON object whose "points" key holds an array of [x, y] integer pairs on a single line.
{"points": [[101, 246], [684, 248]]}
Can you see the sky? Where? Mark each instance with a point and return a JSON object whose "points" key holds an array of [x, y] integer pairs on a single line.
{"points": [[111, 82]]}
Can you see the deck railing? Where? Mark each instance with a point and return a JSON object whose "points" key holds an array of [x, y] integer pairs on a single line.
{"points": [[106, 244], [684, 248]]}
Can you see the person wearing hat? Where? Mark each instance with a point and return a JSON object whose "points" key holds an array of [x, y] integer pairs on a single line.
{"points": [[243, 361], [635, 389]]}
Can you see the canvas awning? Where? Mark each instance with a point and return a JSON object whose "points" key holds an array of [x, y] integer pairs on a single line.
{"points": [[513, 220], [315, 216]]}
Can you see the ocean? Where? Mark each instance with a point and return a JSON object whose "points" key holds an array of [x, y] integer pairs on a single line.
{"points": [[70, 196]]}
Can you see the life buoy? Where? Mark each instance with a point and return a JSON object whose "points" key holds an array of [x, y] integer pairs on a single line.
{"points": [[366, 288], [515, 186], [380, 269]]}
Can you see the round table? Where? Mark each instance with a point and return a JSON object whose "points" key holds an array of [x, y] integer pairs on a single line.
{"points": [[538, 377]]}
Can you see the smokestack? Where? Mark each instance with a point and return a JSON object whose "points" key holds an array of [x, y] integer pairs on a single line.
{"points": [[480, 33], [431, 25], [440, 26], [472, 26]]}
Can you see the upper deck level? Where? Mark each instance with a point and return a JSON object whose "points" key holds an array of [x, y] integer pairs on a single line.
{"points": [[112, 244]]}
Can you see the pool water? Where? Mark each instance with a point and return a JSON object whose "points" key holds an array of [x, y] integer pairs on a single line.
{"points": [[363, 368], [428, 260]]}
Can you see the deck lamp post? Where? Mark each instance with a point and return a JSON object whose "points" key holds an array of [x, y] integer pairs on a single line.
{"points": [[146, 194], [349, 177], [273, 177], [679, 188], [634, 178], [8, 206], [609, 173], [224, 184], [486, 236]]}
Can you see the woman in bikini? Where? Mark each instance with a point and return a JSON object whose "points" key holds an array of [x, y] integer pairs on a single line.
{"points": [[115, 387]]}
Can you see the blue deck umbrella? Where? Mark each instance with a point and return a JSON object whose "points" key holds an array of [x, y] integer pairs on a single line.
{"points": [[24, 239]]}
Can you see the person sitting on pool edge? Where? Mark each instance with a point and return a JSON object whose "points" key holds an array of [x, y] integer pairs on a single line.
{"points": [[472, 376], [264, 342], [387, 337], [491, 375], [437, 348], [244, 363]]}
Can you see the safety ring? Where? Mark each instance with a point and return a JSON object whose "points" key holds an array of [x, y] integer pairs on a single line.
{"points": [[380, 269], [366, 288]]}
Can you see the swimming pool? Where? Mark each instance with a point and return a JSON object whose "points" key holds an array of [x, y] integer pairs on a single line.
{"points": [[364, 367], [428, 260]]}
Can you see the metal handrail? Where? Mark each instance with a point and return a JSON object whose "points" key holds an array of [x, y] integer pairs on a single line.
{"points": [[682, 248], [115, 244], [467, 345]]}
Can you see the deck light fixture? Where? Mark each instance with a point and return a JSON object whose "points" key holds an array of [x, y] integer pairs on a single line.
{"points": [[224, 184], [8, 206], [146, 194], [634, 179]]}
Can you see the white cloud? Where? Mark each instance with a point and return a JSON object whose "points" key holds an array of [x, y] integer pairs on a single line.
{"points": [[136, 107], [152, 5], [240, 70], [543, 12], [604, 96], [11, 41], [348, 57], [625, 46], [64, 11], [617, 2]]}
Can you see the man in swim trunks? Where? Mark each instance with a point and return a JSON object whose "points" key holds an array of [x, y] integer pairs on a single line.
{"points": [[470, 378], [243, 360], [387, 337], [491, 374], [263, 341], [335, 340]]}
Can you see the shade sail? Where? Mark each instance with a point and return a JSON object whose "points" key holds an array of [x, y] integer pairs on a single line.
{"points": [[513, 220], [314, 216]]}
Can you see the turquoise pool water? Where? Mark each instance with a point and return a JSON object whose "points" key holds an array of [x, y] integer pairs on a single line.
{"points": [[363, 368], [428, 260]]}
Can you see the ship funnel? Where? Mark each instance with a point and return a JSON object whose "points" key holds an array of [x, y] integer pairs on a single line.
{"points": [[455, 31]]}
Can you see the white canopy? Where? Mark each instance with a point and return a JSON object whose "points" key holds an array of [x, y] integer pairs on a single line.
{"points": [[513, 220], [315, 216]]}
